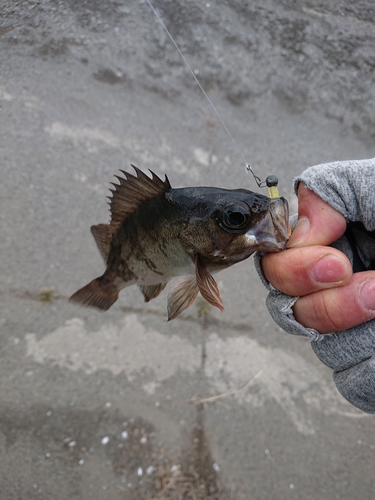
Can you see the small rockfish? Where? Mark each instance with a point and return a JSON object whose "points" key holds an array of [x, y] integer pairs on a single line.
{"points": [[158, 233]]}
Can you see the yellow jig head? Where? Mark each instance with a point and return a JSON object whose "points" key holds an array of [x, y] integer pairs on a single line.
{"points": [[273, 191], [271, 182]]}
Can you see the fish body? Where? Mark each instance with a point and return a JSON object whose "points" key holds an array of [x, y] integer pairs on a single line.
{"points": [[158, 233]]}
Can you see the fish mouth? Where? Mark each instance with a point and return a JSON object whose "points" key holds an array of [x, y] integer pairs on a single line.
{"points": [[271, 234]]}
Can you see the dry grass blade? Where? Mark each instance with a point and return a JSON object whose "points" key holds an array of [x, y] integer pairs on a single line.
{"points": [[212, 399]]}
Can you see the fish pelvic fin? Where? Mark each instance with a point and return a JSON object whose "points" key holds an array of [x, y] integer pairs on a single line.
{"points": [[152, 291], [207, 285], [98, 293], [131, 193], [182, 294], [103, 235]]}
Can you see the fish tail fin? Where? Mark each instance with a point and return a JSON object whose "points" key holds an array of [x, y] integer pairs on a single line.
{"points": [[98, 293]]}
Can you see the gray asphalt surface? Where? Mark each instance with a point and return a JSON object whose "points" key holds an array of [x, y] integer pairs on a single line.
{"points": [[101, 406]]}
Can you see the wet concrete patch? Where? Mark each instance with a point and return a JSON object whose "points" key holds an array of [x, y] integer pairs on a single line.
{"points": [[195, 474], [141, 468], [54, 48], [72, 439], [106, 75], [4, 30]]}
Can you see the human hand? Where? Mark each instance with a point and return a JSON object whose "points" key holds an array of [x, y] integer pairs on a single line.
{"points": [[332, 298]]}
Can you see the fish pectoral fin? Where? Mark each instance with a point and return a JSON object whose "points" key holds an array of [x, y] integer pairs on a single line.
{"points": [[207, 285], [98, 293], [103, 235], [152, 291], [182, 294]]}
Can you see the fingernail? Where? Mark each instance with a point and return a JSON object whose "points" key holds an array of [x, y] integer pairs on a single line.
{"points": [[330, 269], [367, 294], [301, 231]]}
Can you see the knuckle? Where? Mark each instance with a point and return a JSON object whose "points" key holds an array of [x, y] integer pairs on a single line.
{"points": [[318, 311], [327, 313]]}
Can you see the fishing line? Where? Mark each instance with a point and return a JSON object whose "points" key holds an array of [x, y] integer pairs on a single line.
{"points": [[198, 82], [271, 181]]}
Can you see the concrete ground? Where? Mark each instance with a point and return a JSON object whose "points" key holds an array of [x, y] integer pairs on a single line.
{"points": [[104, 405]]}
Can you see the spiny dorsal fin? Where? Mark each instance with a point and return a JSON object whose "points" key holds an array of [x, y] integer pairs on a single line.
{"points": [[131, 193], [207, 285], [152, 291], [182, 294], [103, 236]]}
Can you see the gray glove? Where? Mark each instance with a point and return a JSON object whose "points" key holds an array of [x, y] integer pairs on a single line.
{"points": [[349, 187]]}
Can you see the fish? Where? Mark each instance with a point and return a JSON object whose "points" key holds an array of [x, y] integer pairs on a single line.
{"points": [[158, 233]]}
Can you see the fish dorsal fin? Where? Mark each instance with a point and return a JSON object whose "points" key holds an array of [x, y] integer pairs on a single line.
{"points": [[102, 235], [131, 193], [152, 291], [207, 285]]}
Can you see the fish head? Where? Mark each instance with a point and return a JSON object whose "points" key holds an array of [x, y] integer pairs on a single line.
{"points": [[264, 228], [227, 226], [253, 223]]}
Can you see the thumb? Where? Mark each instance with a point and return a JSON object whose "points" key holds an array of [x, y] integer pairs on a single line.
{"points": [[318, 223]]}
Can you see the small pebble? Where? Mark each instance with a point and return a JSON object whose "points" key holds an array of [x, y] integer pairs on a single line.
{"points": [[143, 440], [124, 435], [105, 440], [150, 469], [140, 471], [216, 466]]}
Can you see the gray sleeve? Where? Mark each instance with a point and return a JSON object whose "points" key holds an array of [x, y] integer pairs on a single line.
{"points": [[348, 187]]}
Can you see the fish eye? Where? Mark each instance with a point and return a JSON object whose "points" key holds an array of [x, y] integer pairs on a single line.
{"points": [[235, 217]]}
